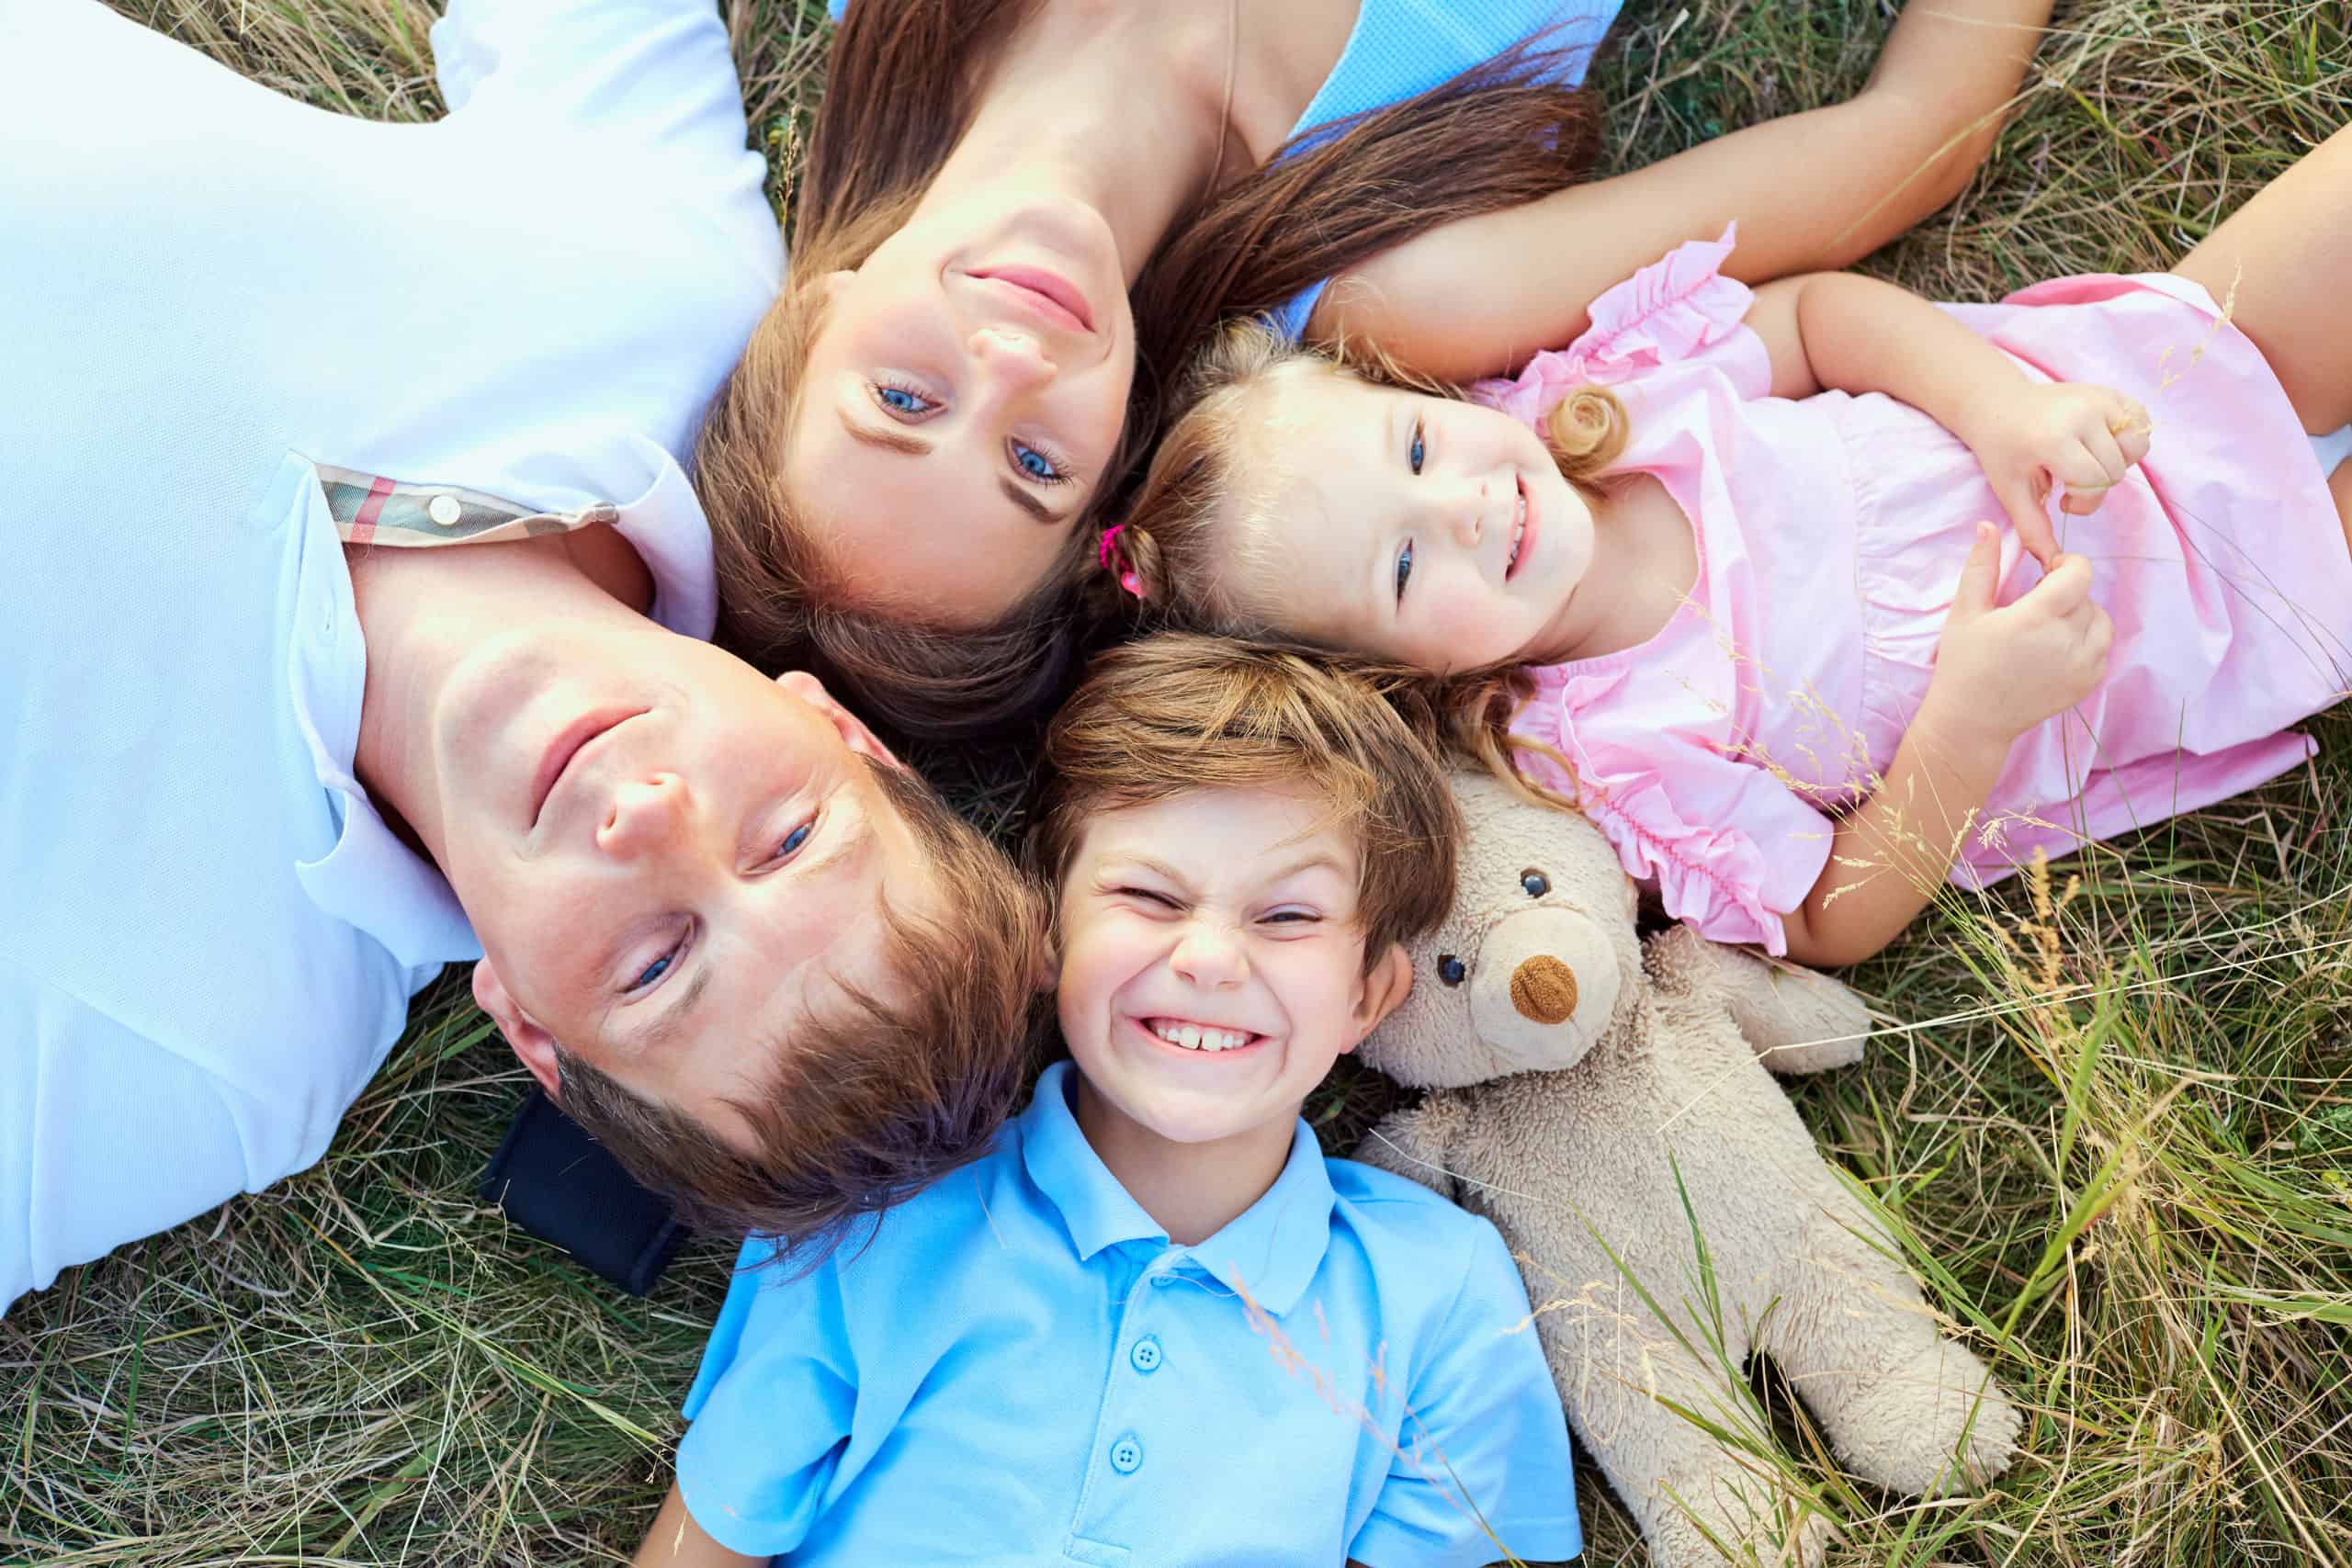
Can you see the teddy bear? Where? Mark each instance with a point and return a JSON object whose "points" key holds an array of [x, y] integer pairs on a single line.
{"points": [[1605, 1101]]}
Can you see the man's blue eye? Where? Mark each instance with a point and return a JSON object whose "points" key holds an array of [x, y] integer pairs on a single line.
{"points": [[794, 840], [1418, 449], [898, 400], [1404, 569], [1035, 464], [655, 970]]}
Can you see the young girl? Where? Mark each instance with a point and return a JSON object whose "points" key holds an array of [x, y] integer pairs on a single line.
{"points": [[1746, 590], [1014, 214]]}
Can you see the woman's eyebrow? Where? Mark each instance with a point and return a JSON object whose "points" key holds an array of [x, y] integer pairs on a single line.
{"points": [[1030, 503], [888, 440]]}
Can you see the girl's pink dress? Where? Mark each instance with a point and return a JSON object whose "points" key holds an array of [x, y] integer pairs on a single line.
{"points": [[1831, 533]]}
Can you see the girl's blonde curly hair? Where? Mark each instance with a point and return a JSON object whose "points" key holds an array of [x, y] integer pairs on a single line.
{"points": [[1192, 552]]}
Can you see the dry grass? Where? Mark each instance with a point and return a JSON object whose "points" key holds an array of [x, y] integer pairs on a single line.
{"points": [[2119, 1137]]}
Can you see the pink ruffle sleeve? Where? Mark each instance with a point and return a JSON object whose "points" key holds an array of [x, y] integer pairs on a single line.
{"points": [[1675, 311], [1688, 819]]}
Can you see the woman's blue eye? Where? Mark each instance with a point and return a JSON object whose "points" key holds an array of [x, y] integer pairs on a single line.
{"points": [[794, 840], [1419, 450], [1035, 464], [898, 400], [1404, 569]]}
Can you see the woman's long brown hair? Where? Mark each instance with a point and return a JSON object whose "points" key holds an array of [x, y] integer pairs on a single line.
{"points": [[904, 78]]}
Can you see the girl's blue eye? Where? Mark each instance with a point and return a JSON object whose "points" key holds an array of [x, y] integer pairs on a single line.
{"points": [[1418, 449], [1292, 918], [1404, 569], [1036, 465], [794, 840], [899, 400]]}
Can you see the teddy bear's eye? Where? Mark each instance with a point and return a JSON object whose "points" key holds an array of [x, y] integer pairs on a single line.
{"points": [[1535, 882], [1452, 970]]}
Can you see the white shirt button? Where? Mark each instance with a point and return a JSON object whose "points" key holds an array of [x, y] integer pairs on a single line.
{"points": [[444, 510]]}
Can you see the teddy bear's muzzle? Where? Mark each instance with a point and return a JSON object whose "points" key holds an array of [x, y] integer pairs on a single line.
{"points": [[1546, 984]]}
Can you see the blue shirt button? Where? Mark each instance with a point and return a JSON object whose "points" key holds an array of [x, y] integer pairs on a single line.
{"points": [[1145, 1355], [1126, 1455]]}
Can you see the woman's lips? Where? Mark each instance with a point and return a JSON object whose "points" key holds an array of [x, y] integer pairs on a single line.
{"points": [[1053, 293]]}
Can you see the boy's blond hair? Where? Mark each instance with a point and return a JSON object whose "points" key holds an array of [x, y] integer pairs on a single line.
{"points": [[1176, 713]]}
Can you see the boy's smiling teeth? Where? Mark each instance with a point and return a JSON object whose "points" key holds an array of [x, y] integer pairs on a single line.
{"points": [[1198, 1036]]}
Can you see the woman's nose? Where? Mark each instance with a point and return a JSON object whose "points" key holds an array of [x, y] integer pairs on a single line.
{"points": [[1209, 956], [1013, 360], [647, 814]]}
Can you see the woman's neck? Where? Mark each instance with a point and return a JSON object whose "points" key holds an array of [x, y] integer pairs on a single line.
{"points": [[1191, 1190], [1066, 104]]}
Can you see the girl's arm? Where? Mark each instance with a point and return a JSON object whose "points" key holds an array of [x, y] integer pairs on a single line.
{"points": [[676, 1541], [1999, 671], [1857, 334], [1810, 191]]}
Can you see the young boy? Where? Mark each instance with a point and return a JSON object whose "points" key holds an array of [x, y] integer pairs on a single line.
{"points": [[1153, 1324]]}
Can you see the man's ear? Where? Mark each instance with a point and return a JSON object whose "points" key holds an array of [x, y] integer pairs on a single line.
{"points": [[1378, 995], [535, 1046], [847, 725]]}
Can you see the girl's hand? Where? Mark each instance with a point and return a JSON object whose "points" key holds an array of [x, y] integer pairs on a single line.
{"points": [[2002, 669], [2031, 436]]}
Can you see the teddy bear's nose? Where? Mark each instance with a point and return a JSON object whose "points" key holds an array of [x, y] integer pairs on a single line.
{"points": [[1543, 990]]}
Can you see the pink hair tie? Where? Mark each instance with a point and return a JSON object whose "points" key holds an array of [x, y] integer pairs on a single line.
{"points": [[1106, 551]]}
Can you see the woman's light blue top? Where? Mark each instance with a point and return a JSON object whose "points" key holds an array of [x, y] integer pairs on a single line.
{"points": [[1400, 49], [1021, 1368]]}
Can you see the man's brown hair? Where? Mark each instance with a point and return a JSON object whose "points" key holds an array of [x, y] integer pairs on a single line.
{"points": [[870, 1103], [1176, 713]]}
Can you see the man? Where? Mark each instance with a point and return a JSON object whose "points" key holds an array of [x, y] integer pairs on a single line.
{"points": [[272, 764]]}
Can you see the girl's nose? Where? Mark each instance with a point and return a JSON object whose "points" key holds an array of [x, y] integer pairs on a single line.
{"points": [[1466, 513], [647, 814], [1208, 956]]}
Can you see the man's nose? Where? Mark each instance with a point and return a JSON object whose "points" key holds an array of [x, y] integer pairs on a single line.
{"points": [[1209, 955], [1013, 361], [648, 814]]}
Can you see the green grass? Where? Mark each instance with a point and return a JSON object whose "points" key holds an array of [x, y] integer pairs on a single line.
{"points": [[2118, 1137]]}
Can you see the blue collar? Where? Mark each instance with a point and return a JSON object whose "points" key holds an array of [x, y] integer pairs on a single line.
{"points": [[1270, 1251]]}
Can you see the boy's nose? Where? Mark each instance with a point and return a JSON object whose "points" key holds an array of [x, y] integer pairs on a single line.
{"points": [[647, 813], [1208, 955]]}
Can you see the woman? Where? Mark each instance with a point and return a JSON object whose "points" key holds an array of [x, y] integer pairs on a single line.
{"points": [[1016, 214]]}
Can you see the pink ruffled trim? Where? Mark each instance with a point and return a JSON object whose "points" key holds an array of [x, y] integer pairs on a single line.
{"points": [[1670, 309], [1707, 876]]}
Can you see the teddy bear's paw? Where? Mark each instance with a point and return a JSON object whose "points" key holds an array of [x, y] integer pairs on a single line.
{"points": [[1940, 1426], [1742, 1529]]}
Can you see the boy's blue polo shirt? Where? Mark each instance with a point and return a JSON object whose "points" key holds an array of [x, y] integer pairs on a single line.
{"points": [[1018, 1367]]}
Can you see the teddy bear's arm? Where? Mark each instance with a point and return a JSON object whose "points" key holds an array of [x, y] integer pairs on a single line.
{"points": [[1415, 1143], [1795, 1019]]}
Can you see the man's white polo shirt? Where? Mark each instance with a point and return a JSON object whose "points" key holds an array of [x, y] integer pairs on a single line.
{"points": [[208, 939]]}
